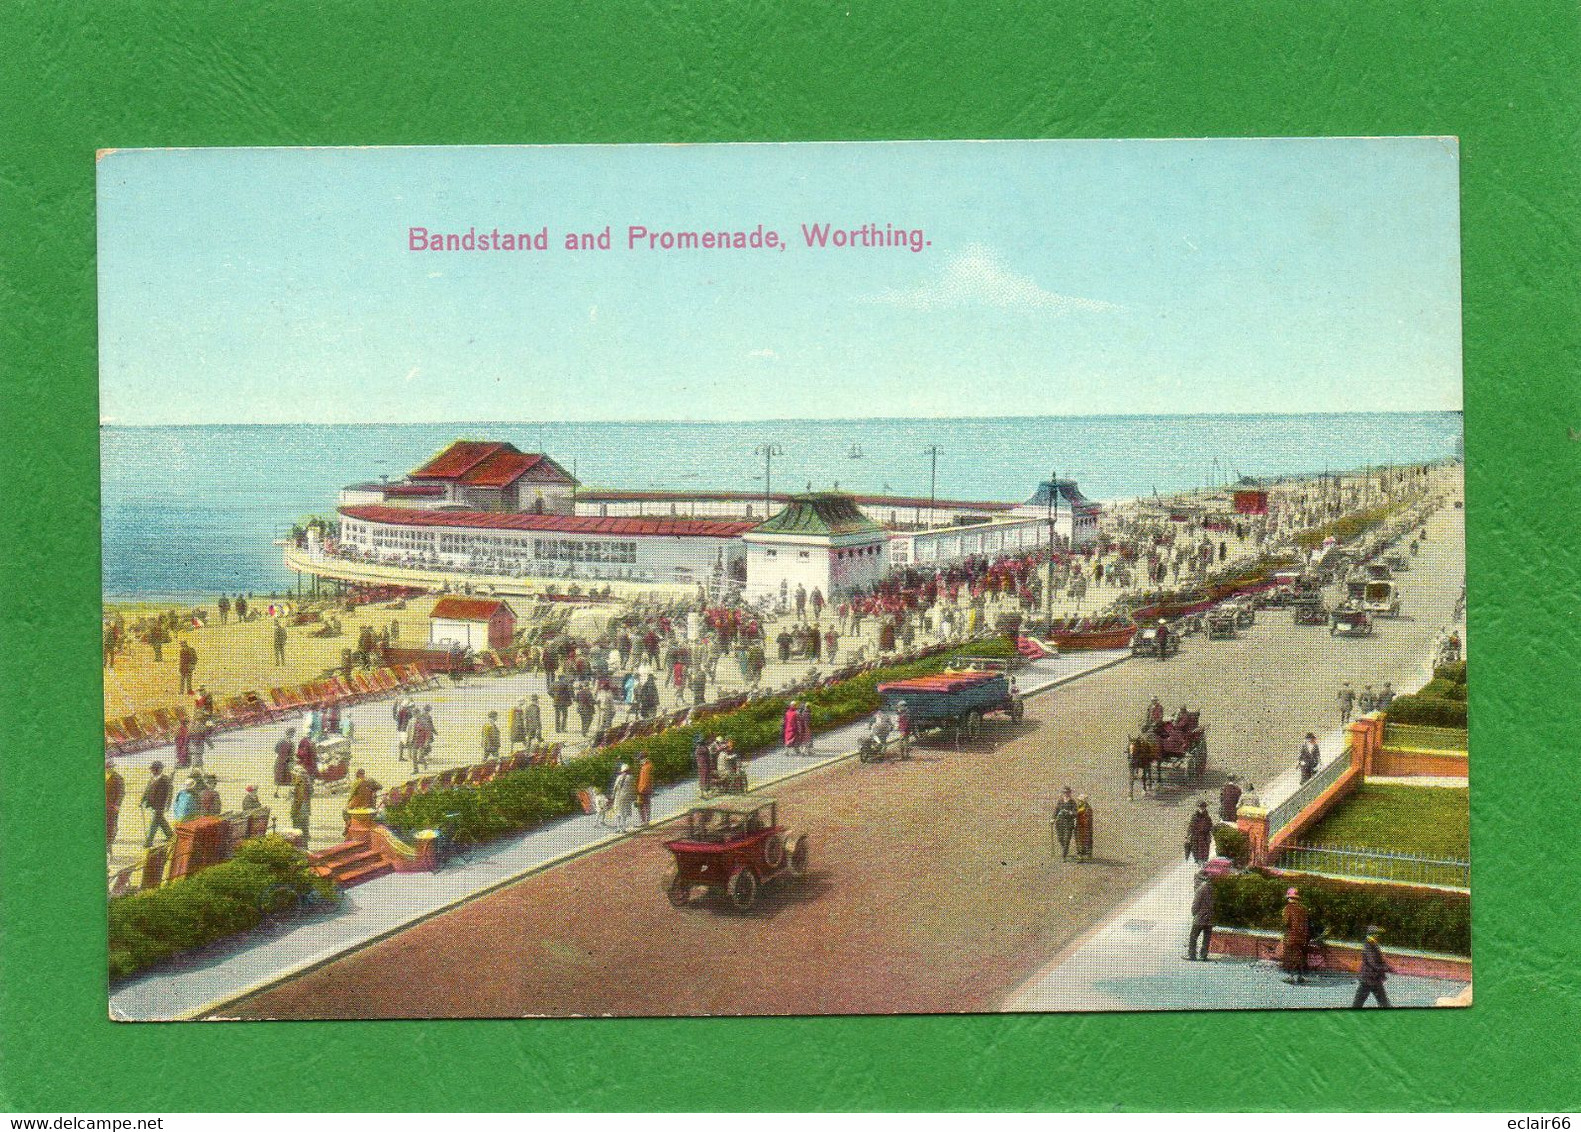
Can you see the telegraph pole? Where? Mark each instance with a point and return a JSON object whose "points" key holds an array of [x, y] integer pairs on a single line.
{"points": [[768, 452], [933, 479]]}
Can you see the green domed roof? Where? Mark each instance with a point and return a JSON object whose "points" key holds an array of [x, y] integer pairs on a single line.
{"points": [[820, 513]]}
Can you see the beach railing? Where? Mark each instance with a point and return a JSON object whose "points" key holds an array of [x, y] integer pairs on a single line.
{"points": [[1375, 864], [1282, 814]]}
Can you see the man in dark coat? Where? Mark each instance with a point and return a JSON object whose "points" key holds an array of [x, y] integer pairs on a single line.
{"points": [[186, 665], [705, 761], [1297, 934], [1229, 800], [1199, 834], [1065, 822], [284, 755], [156, 796], [1374, 970], [1307, 760], [532, 720], [114, 793], [560, 697], [1201, 919]]}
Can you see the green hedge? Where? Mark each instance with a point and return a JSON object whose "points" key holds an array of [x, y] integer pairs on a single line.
{"points": [[1231, 841], [1347, 528], [1421, 919], [524, 799], [151, 926]]}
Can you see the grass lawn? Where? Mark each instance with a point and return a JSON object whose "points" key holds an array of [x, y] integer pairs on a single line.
{"points": [[1424, 738], [1425, 821]]}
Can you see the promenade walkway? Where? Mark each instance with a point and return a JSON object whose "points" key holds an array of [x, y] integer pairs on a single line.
{"points": [[1135, 959], [204, 981]]}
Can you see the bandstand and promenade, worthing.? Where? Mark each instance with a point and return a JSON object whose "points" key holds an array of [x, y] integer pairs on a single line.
{"points": [[947, 849]]}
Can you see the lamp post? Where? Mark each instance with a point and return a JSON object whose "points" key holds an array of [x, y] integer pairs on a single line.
{"points": [[768, 452], [933, 479], [1053, 513]]}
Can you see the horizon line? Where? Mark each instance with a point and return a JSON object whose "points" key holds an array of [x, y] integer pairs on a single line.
{"points": [[112, 423]]}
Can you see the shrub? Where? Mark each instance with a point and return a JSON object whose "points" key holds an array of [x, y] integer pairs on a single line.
{"points": [[149, 927], [1231, 841], [523, 799], [1454, 673], [1422, 919], [1433, 711]]}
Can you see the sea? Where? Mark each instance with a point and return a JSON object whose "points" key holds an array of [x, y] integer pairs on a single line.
{"points": [[192, 511]]}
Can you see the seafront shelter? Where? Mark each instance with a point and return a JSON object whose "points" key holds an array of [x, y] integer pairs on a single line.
{"points": [[664, 551], [1075, 516], [471, 623], [820, 541], [941, 546]]}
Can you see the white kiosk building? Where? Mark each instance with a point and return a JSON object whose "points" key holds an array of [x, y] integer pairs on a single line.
{"points": [[819, 541]]}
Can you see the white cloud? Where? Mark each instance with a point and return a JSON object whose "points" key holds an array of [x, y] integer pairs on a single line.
{"points": [[411, 373], [978, 275], [765, 352]]}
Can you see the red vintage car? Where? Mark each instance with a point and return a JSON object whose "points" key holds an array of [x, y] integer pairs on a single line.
{"points": [[733, 845]]}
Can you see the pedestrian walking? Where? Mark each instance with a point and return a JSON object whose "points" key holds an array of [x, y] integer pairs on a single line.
{"points": [[585, 707], [185, 807], [1230, 801], [491, 737], [284, 755], [1386, 696], [307, 756], [186, 665], [225, 609], [183, 745], [1084, 828], [1199, 834], [704, 758], [1347, 701], [621, 797], [209, 803], [156, 797], [114, 794], [364, 792], [250, 799], [645, 783], [302, 803], [1309, 757], [517, 727], [532, 720], [1374, 970], [1366, 701], [1297, 934], [804, 726], [1065, 822], [1201, 919], [560, 697]]}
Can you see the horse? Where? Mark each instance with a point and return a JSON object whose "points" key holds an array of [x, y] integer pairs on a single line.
{"points": [[1142, 762]]}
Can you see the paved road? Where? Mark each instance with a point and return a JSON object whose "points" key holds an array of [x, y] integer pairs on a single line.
{"points": [[933, 888]]}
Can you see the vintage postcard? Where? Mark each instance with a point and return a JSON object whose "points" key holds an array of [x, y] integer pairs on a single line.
{"points": [[783, 579]]}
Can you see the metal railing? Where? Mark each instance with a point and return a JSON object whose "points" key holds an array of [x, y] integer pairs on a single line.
{"points": [[1375, 864], [1285, 812]]}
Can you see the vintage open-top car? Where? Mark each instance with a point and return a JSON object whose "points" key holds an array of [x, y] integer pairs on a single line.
{"points": [[1346, 622], [1381, 599], [733, 845], [1222, 624], [1145, 643], [1310, 610]]}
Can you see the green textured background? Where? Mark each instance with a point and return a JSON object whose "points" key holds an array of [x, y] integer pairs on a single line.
{"points": [[1502, 76]]}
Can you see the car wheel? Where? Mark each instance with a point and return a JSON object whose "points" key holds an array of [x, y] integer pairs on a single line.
{"points": [[774, 851], [1017, 711], [679, 892], [799, 855], [742, 889], [974, 725]]}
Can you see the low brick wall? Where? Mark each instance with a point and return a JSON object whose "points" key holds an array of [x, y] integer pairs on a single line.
{"points": [[1341, 955], [1408, 762]]}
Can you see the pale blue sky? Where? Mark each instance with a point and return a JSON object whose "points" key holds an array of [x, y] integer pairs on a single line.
{"points": [[1062, 278]]}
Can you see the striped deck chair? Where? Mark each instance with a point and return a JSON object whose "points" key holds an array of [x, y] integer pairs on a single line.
{"points": [[134, 732], [425, 784], [150, 725], [122, 881], [165, 721], [361, 685], [181, 713], [115, 736], [234, 709], [386, 680], [482, 773], [281, 701], [339, 691]]}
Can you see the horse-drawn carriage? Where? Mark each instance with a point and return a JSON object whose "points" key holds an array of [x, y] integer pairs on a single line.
{"points": [[1181, 741]]}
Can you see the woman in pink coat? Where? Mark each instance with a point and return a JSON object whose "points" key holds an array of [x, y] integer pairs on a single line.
{"points": [[790, 733]]}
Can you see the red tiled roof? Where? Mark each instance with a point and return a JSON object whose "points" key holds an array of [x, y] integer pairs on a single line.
{"points": [[502, 468], [563, 524], [615, 495], [459, 459], [466, 609]]}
